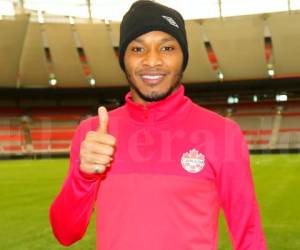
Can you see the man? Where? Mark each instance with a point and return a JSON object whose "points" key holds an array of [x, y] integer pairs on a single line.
{"points": [[159, 168]]}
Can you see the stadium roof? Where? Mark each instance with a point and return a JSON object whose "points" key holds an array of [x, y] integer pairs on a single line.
{"points": [[74, 43]]}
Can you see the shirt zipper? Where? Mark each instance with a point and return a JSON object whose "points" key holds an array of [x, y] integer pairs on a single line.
{"points": [[146, 113]]}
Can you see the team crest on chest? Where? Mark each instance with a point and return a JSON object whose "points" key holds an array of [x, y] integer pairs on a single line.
{"points": [[193, 161]]}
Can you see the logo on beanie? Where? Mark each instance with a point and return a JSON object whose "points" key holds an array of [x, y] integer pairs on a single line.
{"points": [[171, 21], [193, 161]]}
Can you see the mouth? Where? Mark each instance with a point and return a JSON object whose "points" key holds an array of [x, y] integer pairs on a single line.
{"points": [[153, 78]]}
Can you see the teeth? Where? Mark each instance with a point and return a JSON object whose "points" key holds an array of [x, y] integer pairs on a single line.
{"points": [[152, 77]]}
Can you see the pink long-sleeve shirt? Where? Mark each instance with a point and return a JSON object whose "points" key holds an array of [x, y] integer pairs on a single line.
{"points": [[175, 166]]}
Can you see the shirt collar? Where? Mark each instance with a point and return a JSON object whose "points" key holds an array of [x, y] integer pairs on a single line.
{"points": [[157, 111]]}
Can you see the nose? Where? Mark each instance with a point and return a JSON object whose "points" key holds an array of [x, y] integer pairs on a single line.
{"points": [[152, 58]]}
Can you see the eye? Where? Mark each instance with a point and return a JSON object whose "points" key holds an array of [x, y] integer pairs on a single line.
{"points": [[167, 48], [137, 49]]}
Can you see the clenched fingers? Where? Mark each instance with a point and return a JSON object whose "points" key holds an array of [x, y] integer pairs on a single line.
{"points": [[97, 148], [96, 159], [97, 136]]}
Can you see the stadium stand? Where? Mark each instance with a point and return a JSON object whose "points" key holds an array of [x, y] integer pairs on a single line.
{"points": [[289, 132], [33, 131], [11, 136], [39, 130], [270, 126], [257, 122], [51, 130]]}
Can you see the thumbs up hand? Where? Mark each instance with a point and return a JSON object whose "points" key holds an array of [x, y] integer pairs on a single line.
{"points": [[98, 147]]}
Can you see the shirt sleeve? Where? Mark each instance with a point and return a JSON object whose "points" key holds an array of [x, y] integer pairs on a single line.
{"points": [[71, 210], [237, 193]]}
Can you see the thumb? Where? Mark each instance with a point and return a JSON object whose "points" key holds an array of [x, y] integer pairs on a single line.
{"points": [[103, 119]]}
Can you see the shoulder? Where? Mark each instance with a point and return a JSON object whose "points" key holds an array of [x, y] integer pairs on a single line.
{"points": [[117, 111], [212, 121], [204, 114]]}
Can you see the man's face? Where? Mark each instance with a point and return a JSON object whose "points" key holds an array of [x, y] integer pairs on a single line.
{"points": [[153, 65]]}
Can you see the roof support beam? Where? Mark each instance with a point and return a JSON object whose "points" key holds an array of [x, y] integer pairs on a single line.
{"points": [[19, 7], [88, 2], [220, 8]]}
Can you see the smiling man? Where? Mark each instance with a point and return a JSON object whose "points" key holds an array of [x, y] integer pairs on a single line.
{"points": [[158, 169], [153, 66]]}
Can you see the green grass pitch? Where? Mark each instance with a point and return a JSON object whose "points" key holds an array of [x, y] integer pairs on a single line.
{"points": [[27, 188]]}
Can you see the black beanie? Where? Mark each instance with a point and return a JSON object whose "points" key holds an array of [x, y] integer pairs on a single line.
{"points": [[145, 16]]}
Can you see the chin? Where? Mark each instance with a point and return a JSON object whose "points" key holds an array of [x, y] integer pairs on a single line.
{"points": [[154, 96]]}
